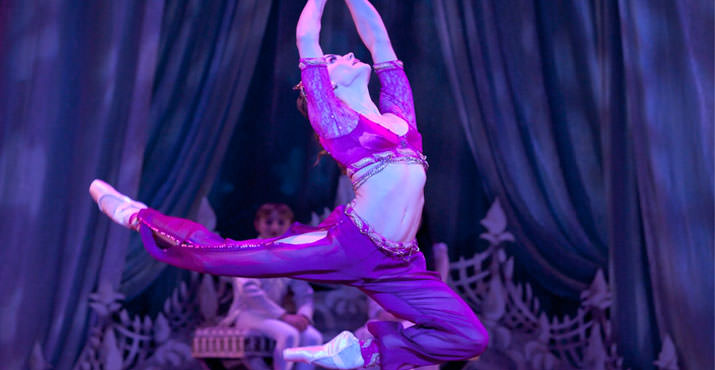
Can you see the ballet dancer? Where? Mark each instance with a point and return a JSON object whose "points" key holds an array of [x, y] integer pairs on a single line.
{"points": [[368, 243]]}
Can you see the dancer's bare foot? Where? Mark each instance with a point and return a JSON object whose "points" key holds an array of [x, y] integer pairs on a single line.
{"points": [[119, 207]]}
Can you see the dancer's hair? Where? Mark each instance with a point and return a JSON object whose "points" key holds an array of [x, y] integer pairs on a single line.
{"points": [[301, 103]]}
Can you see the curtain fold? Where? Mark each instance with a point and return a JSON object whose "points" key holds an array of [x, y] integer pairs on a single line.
{"points": [[75, 88], [207, 57], [668, 77], [593, 125], [90, 91], [523, 101]]}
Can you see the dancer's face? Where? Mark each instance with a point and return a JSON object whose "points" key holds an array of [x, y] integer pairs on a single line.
{"points": [[272, 225], [346, 70]]}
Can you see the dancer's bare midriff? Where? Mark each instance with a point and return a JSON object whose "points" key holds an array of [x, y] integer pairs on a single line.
{"points": [[391, 201]]}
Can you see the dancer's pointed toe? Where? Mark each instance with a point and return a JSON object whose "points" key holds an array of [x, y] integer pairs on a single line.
{"points": [[119, 207], [342, 352]]}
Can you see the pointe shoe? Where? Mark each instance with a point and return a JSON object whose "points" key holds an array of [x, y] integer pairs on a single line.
{"points": [[119, 207], [342, 352]]}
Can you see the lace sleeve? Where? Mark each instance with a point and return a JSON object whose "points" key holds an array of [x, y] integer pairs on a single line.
{"points": [[395, 92], [329, 116]]}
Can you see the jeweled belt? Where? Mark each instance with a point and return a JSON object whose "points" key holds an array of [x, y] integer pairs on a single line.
{"points": [[389, 247]]}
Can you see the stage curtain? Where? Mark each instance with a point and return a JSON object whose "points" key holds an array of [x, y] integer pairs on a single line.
{"points": [[666, 82], [143, 94], [526, 100], [207, 56], [592, 122], [75, 91]]}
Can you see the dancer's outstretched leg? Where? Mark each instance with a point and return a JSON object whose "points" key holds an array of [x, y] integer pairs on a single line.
{"points": [[308, 253]]}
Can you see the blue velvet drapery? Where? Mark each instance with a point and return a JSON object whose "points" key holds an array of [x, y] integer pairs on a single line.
{"points": [[207, 57], [591, 120], [144, 94], [75, 89], [593, 123]]}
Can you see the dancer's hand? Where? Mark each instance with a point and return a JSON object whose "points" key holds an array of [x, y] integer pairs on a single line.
{"points": [[299, 322]]}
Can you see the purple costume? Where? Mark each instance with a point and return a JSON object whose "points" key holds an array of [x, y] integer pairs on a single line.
{"points": [[391, 273]]}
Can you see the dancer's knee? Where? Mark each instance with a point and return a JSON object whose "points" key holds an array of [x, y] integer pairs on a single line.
{"points": [[465, 341], [473, 339]]}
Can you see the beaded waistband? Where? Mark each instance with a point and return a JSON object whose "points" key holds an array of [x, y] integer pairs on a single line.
{"points": [[382, 160], [389, 247]]}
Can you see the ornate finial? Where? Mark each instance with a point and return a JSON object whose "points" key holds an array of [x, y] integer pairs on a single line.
{"points": [[495, 223]]}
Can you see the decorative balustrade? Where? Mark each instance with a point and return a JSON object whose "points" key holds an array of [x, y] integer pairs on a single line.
{"points": [[522, 336]]}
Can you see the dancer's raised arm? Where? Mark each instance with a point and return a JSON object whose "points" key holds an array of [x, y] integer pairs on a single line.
{"points": [[372, 31], [307, 32]]}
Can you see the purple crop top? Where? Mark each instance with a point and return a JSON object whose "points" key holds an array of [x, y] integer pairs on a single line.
{"points": [[352, 139]]}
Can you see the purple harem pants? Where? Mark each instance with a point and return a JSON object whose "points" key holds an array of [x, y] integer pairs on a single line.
{"points": [[445, 329]]}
